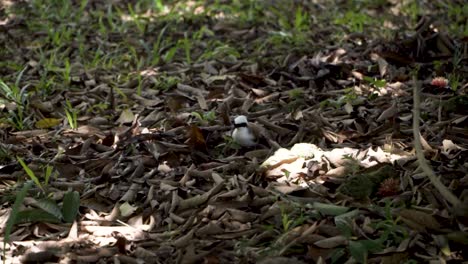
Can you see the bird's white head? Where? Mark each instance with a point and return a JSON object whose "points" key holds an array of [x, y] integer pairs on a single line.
{"points": [[240, 120], [242, 133]]}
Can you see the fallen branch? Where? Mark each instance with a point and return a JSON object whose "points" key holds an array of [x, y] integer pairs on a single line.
{"points": [[444, 191]]}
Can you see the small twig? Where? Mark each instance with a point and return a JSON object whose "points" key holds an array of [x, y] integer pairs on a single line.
{"points": [[444, 191]]}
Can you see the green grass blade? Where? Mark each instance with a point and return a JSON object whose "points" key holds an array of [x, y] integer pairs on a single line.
{"points": [[7, 92], [15, 210], [48, 173], [30, 173]]}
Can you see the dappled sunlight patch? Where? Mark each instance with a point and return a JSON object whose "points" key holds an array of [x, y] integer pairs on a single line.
{"points": [[6, 4], [306, 165], [149, 72]]}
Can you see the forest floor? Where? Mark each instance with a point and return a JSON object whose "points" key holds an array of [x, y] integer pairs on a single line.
{"points": [[116, 131]]}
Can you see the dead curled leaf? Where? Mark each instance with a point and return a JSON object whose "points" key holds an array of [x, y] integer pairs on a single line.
{"points": [[332, 242], [418, 220], [199, 199]]}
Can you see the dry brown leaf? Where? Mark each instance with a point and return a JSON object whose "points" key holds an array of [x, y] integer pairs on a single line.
{"points": [[383, 66], [332, 242], [212, 228], [315, 253], [388, 113], [419, 220], [202, 102], [196, 138], [184, 240]]}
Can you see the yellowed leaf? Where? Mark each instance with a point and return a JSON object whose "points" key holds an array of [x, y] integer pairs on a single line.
{"points": [[48, 123]]}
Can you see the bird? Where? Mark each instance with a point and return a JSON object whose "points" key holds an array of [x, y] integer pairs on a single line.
{"points": [[242, 133]]}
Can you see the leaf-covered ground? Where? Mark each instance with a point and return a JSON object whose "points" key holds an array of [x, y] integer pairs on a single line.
{"points": [[125, 108]]}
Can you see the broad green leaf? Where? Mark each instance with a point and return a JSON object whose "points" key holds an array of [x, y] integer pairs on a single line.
{"points": [[344, 222], [71, 204], [344, 227], [50, 207], [12, 219], [36, 215], [372, 245], [358, 251], [336, 255]]}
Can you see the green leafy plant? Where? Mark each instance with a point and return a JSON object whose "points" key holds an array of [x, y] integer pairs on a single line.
{"points": [[358, 248], [67, 72], [296, 99], [136, 19], [18, 100], [47, 210], [292, 30], [102, 26], [165, 82], [296, 94], [156, 51], [83, 5], [412, 9], [229, 143], [379, 83], [72, 115], [438, 65], [350, 97], [204, 31], [169, 55], [291, 216], [286, 220], [15, 209], [30, 173], [158, 5], [205, 118], [454, 81], [300, 20], [355, 21], [457, 16], [187, 47], [48, 170], [220, 51]]}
